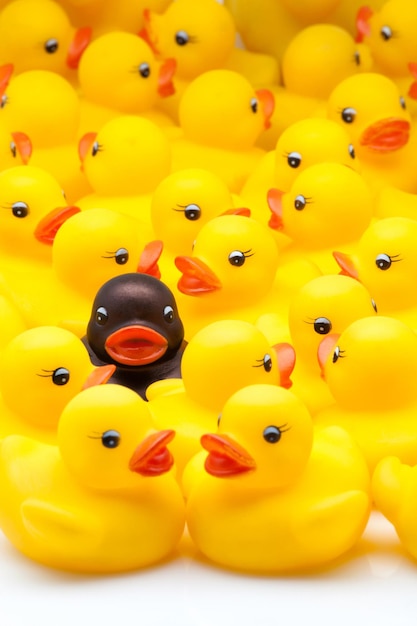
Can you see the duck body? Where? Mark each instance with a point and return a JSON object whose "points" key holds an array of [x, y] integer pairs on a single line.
{"points": [[242, 523], [61, 519], [135, 325]]}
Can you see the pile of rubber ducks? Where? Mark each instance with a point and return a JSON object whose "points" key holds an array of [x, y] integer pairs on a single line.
{"points": [[208, 259]]}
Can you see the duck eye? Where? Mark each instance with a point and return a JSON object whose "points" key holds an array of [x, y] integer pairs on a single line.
{"points": [[336, 354], [357, 58], [402, 102], [386, 33], [348, 115], [218, 420], [3, 101], [51, 45], [192, 212], [182, 38], [322, 325], [300, 203], [110, 439], [144, 70], [13, 149], [95, 148], [168, 313], [121, 256], [60, 376], [254, 105], [267, 363], [20, 209], [294, 159], [374, 305], [101, 315], [272, 434], [352, 151], [383, 262], [236, 258]]}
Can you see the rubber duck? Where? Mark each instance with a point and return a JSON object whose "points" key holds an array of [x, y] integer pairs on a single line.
{"points": [[55, 366], [394, 491], [231, 274], [374, 113], [304, 143], [385, 261], [119, 75], [35, 210], [38, 35], [220, 359], [276, 495], [201, 38], [135, 325], [107, 482], [393, 202], [221, 116], [123, 163], [51, 121], [328, 205], [389, 35], [316, 59], [180, 205], [370, 370]]}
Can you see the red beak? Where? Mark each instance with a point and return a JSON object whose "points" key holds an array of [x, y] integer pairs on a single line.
{"points": [[84, 145], [146, 32], [99, 376], [267, 100], [6, 72], [166, 72], [81, 40], [237, 211], [274, 199], [52, 222], [226, 457], [148, 263], [362, 23], [136, 345], [197, 278], [23, 145], [386, 135], [152, 457], [346, 264], [286, 363]]}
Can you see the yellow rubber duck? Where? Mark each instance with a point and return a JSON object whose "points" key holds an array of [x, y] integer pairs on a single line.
{"points": [[329, 205], [232, 274], [370, 370], [373, 111], [220, 359], [180, 205], [393, 202], [201, 38], [394, 492], [123, 163], [389, 35], [119, 75], [385, 261], [276, 495], [38, 35], [221, 116], [106, 483], [46, 107], [326, 304], [304, 143], [55, 366]]}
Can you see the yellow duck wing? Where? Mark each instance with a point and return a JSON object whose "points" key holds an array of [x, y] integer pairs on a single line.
{"points": [[163, 387], [391, 483]]}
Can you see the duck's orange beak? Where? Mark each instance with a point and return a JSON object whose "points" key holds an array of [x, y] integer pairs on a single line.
{"points": [[286, 362], [84, 145], [386, 135], [152, 457], [326, 347], [226, 457], [274, 200], [346, 264], [99, 376], [363, 27], [197, 278], [148, 262], [6, 72], [237, 211], [267, 100], [412, 91], [166, 72], [136, 345], [49, 225], [81, 40], [23, 145], [147, 33]]}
